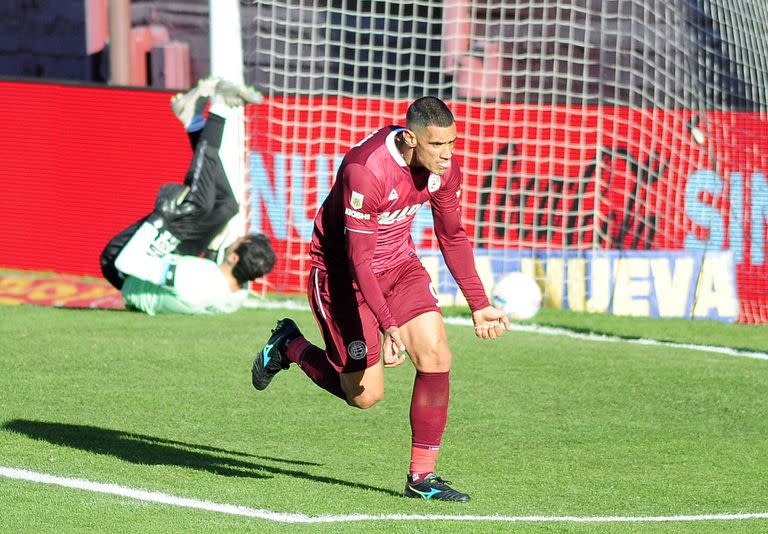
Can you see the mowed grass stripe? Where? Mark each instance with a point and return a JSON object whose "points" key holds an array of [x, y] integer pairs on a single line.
{"points": [[539, 426], [233, 509]]}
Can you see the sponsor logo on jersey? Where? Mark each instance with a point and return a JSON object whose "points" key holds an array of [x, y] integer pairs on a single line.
{"points": [[357, 200], [391, 217], [392, 194], [357, 214], [357, 350], [433, 184], [164, 243]]}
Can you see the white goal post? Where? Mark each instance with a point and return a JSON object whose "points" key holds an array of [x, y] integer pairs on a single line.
{"points": [[226, 53], [615, 149]]}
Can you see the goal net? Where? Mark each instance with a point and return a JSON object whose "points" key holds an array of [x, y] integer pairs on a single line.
{"points": [[616, 150]]}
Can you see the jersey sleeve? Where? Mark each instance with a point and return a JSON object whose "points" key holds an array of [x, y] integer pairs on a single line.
{"points": [[453, 240], [198, 288], [362, 201]]}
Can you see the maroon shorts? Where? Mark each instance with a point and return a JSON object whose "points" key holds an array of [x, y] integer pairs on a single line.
{"points": [[350, 330]]}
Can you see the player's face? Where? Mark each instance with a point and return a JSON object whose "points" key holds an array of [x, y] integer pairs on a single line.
{"points": [[434, 148], [231, 248]]}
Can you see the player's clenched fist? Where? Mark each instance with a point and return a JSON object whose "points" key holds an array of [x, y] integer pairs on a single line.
{"points": [[393, 347]]}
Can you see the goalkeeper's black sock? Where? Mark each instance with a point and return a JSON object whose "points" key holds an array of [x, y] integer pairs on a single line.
{"points": [[214, 130]]}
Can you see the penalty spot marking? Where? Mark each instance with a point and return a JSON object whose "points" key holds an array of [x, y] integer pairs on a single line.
{"points": [[552, 331], [233, 509]]}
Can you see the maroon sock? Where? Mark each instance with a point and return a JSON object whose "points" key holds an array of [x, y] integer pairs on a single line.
{"points": [[429, 413], [314, 363]]}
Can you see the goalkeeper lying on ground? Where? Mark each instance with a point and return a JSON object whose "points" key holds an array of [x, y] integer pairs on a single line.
{"points": [[155, 262]]}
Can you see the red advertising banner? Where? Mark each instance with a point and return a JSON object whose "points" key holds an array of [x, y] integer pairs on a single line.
{"points": [[81, 163], [542, 178]]}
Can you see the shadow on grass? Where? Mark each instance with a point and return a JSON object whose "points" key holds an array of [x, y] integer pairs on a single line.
{"points": [[151, 450]]}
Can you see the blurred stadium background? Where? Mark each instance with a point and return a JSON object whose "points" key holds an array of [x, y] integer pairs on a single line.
{"points": [[614, 149]]}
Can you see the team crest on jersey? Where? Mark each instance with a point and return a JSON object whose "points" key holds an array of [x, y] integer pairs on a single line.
{"points": [[357, 350], [357, 200], [392, 194], [433, 184]]}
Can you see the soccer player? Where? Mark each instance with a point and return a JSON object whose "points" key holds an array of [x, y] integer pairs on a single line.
{"points": [[365, 280], [200, 286], [155, 262]]}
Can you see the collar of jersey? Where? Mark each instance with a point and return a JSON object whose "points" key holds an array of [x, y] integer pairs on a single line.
{"points": [[396, 155]]}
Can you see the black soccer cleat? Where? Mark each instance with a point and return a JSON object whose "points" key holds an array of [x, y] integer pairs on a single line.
{"points": [[270, 360], [433, 488]]}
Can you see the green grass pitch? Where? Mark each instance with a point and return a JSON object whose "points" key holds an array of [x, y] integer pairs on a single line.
{"points": [[539, 425]]}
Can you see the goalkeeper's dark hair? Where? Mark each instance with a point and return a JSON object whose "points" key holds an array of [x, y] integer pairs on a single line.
{"points": [[428, 111], [256, 258]]}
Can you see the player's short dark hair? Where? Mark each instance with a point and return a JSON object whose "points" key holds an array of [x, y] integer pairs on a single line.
{"points": [[428, 111], [256, 258]]}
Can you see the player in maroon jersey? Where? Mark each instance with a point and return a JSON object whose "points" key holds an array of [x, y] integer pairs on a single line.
{"points": [[366, 280]]}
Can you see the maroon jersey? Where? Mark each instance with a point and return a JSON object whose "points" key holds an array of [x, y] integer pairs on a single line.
{"points": [[364, 225]]}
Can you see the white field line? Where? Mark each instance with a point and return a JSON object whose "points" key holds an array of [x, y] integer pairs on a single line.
{"points": [[233, 509], [551, 331]]}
